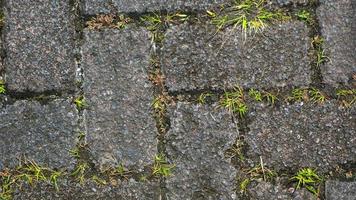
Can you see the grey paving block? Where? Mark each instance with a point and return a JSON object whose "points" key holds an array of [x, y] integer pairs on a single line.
{"points": [[195, 57], [302, 135], [267, 191], [339, 190], [291, 2], [39, 42], [196, 143], [43, 133], [338, 27], [105, 6], [1, 59], [129, 190], [119, 119]]}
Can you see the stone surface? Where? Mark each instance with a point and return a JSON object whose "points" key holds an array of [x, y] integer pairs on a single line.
{"points": [[267, 191], [1, 57], [119, 120], [338, 27], [196, 144], [92, 7], [129, 190], [302, 135], [43, 133], [39, 42], [338, 190], [291, 2], [195, 57]]}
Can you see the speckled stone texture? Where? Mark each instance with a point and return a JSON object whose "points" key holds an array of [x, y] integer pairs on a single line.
{"points": [[1, 55], [337, 20], [119, 119], [128, 190], [43, 133], [195, 57], [267, 191], [291, 2], [105, 6], [39, 42], [196, 143], [338, 190], [302, 135]]}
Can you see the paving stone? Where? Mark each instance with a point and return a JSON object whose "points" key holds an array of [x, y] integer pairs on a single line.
{"points": [[119, 120], [291, 2], [302, 135], [194, 59], [267, 191], [338, 190], [196, 143], [43, 133], [92, 7], [129, 190], [338, 27], [1, 57], [39, 42]]}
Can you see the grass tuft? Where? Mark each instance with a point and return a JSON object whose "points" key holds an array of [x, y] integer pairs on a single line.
{"points": [[244, 184], [80, 102], [203, 96], [347, 96], [249, 15], [255, 94], [161, 167], [2, 87], [79, 172], [157, 23], [309, 179], [305, 16], [7, 180], [54, 178], [298, 95], [320, 56], [234, 101], [316, 95]]}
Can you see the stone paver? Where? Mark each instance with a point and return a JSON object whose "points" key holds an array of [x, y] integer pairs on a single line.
{"points": [[196, 144], [291, 2], [337, 22], [105, 6], [43, 133], [1, 57], [267, 191], [119, 120], [194, 59], [338, 190], [129, 190], [309, 135], [39, 41]]}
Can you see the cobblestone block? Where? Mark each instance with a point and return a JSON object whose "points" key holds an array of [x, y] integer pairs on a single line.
{"points": [[195, 57], [129, 190], [337, 190], [196, 143], [302, 135], [267, 191], [39, 42], [43, 133], [119, 120], [106, 6], [338, 27]]}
